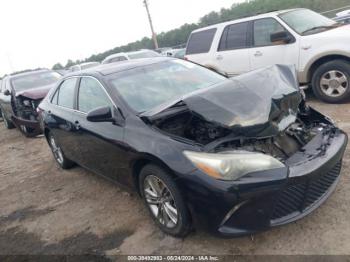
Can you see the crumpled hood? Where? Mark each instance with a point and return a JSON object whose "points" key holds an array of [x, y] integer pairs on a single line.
{"points": [[257, 104], [35, 93]]}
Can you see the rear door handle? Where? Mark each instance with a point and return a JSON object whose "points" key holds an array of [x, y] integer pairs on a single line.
{"points": [[219, 57], [258, 53]]}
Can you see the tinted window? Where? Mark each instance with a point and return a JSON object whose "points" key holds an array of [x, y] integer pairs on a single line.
{"points": [[91, 95], [263, 29], [66, 93], [234, 37], [200, 42]]}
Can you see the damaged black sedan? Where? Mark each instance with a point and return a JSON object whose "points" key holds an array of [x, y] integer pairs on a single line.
{"points": [[233, 156], [21, 94]]}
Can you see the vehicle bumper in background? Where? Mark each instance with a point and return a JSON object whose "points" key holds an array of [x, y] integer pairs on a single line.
{"points": [[266, 199], [34, 126]]}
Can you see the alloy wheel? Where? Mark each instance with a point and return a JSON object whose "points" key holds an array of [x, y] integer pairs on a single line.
{"points": [[56, 150], [160, 201], [334, 83]]}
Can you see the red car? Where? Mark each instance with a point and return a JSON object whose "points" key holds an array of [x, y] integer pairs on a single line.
{"points": [[21, 94]]}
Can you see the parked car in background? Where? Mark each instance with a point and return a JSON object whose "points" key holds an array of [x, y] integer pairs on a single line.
{"points": [[21, 94], [178, 53], [317, 46], [130, 56], [201, 149], [83, 66], [343, 17]]}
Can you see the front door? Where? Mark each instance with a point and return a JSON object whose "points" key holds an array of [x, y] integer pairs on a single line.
{"points": [[265, 52], [100, 144]]}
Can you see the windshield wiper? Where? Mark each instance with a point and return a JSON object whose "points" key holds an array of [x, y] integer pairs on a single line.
{"points": [[321, 27]]}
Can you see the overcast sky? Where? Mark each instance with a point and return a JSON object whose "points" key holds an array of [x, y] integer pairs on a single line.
{"points": [[39, 33]]}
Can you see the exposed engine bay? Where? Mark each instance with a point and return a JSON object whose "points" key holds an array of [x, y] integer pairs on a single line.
{"points": [[25, 108], [214, 138]]}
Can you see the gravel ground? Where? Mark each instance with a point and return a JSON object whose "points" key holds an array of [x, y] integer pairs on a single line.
{"points": [[45, 210]]}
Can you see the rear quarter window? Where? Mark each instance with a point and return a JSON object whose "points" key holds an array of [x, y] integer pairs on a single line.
{"points": [[200, 42]]}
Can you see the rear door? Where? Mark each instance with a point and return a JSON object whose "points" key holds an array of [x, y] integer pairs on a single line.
{"points": [[61, 114], [100, 144], [199, 47], [266, 53], [232, 54]]}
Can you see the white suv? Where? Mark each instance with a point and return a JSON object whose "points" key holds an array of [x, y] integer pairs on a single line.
{"points": [[317, 46]]}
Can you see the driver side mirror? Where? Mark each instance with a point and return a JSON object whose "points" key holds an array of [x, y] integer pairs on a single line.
{"points": [[100, 114], [282, 37], [7, 92], [104, 114]]}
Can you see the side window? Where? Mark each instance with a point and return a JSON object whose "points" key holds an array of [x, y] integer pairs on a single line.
{"points": [[91, 95], [234, 37], [66, 93], [200, 42], [117, 59], [263, 28]]}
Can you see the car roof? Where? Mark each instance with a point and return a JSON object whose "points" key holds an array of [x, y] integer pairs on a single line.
{"points": [[108, 69], [127, 53], [246, 19], [28, 73]]}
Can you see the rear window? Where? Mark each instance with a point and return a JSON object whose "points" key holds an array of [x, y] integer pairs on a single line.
{"points": [[200, 42]]}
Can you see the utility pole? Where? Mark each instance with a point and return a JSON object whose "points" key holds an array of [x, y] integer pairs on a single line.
{"points": [[154, 36]]}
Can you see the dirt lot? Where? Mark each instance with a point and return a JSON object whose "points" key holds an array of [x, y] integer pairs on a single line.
{"points": [[45, 210]]}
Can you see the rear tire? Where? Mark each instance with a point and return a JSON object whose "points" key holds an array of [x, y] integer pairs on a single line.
{"points": [[164, 201], [8, 124], [331, 81], [58, 154]]}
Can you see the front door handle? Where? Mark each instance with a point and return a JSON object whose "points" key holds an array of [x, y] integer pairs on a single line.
{"points": [[258, 53], [77, 125]]}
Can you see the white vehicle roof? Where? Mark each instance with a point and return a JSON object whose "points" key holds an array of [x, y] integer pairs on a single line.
{"points": [[245, 19], [126, 54]]}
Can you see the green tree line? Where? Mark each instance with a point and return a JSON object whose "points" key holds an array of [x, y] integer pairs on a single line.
{"points": [[179, 35]]}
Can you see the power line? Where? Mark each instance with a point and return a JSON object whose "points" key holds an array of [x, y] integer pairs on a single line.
{"points": [[154, 36]]}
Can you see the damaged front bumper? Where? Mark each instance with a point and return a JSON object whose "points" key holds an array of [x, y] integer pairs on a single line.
{"points": [[29, 128], [266, 199]]}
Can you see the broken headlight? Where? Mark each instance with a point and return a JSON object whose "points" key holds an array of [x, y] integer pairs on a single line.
{"points": [[232, 165]]}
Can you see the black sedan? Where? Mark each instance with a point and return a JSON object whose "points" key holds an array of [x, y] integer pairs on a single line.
{"points": [[234, 156]]}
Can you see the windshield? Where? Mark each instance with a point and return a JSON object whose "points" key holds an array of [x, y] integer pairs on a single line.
{"points": [[34, 80], [146, 87], [306, 21], [144, 54]]}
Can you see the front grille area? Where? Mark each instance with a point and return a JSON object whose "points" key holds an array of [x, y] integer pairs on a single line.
{"points": [[298, 198]]}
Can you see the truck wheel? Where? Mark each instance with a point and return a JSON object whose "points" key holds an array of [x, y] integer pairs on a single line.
{"points": [[8, 124], [331, 81]]}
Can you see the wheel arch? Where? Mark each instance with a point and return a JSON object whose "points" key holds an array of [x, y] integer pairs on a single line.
{"points": [[324, 59], [141, 162]]}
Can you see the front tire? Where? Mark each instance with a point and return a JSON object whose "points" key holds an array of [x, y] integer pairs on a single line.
{"points": [[58, 154], [331, 81], [8, 124], [164, 201]]}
